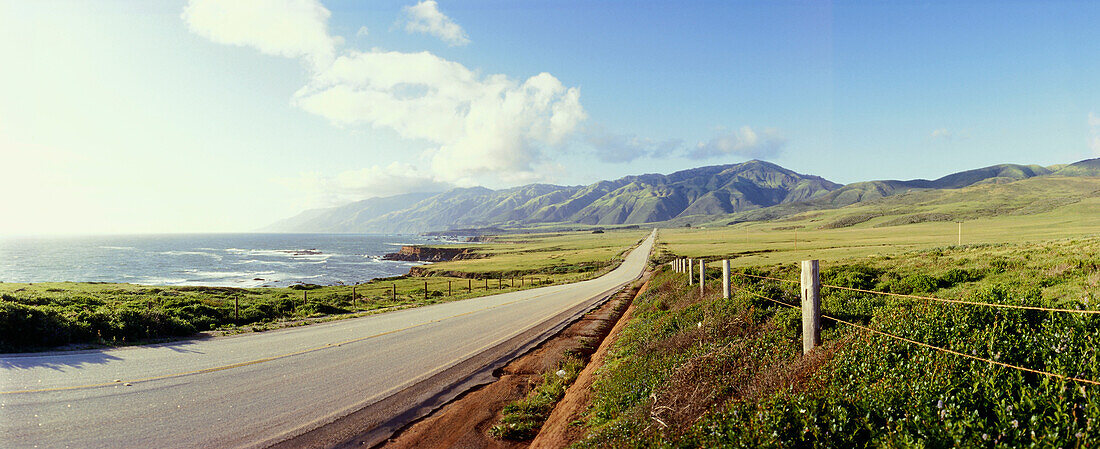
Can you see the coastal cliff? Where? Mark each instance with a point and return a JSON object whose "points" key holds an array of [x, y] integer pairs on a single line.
{"points": [[413, 253]]}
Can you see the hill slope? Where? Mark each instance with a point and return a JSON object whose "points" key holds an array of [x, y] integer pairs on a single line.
{"points": [[719, 189], [716, 195]]}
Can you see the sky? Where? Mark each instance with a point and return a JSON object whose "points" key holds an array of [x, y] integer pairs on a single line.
{"points": [[210, 116]]}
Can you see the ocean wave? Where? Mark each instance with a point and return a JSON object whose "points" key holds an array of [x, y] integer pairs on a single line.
{"points": [[121, 248], [265, 262], [191, 253], [220, 274], [298, 254], [160, 281]]}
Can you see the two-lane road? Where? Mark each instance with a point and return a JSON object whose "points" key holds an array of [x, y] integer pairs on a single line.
{"points": [[256, 390]]}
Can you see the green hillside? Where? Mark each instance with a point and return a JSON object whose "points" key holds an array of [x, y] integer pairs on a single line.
{"points": [[719, 189], [709, 196]]}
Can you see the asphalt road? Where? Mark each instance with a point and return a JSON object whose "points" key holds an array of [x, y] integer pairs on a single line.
{"points": [[259, 389]]}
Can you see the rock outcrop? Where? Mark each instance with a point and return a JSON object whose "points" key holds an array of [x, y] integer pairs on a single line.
{"points": [[413, 253]]}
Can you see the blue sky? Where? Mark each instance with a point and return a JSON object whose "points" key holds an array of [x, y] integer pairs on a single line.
{"points": [[139, 117]]}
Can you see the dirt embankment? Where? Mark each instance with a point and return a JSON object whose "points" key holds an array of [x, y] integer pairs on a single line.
{"points": [[559, 431], [465, 422]]}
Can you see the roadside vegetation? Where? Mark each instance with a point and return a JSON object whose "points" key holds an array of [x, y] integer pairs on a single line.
{"points": [[47, 315], [699, 371], [523, 418]]}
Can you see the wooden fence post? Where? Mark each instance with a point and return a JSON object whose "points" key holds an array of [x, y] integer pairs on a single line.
{"points": [[725, 279], [691, 279], [395, 292], [448, 288], [811, 305], [236, 308], [425, 290], [353, 295], [702, 276], [469, 286]]}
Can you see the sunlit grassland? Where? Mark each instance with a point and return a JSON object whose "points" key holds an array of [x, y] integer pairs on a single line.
{"points": [[807, 236], [545, 252], [731, 373]]}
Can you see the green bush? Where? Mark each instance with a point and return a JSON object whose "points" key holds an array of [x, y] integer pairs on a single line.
{"points": [[24, 326], [915, 283], [956, 276]]}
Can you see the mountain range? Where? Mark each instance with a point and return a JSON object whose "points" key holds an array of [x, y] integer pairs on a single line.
{"points": [[748, 191]]}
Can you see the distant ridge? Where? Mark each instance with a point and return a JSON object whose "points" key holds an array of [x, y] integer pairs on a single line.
{"points": [[718, 189], [748, 191]]}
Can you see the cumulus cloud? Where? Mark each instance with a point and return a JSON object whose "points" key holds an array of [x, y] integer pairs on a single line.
{"points": [[482, 125], [479, 125], [363, 31], [746, 142], [941, 133], [613, 147], [290, 28], [424, 17], [353, 185], [1094, 133]]}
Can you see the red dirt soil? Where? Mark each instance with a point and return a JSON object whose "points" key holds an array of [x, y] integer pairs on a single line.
{"points": [[558, 431]]}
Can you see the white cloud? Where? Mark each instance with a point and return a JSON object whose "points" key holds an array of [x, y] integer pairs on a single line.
{"points": [[290, 28], [489, 125], [941, 133], [613, 148], [1094, 133], [480, 126], [766, 144], [322, 190], [363, 31], [424, 17]]}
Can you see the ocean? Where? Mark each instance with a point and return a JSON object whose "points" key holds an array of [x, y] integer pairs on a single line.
{"points": [[224, 260]]}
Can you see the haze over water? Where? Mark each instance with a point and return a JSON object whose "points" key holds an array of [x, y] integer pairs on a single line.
{"points": [[231, 260]]}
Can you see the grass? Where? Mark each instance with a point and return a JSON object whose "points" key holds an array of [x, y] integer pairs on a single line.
{"points": [[46, 315], [699, 371], [812, 235], [546, 252], [522, 419]]}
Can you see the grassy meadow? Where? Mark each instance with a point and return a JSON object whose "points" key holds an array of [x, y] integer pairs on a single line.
{"points": [[693, 370], [700, 371], [552, 252], [1036, 209]]}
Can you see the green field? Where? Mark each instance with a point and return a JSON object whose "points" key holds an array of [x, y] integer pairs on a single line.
{"points": [[546, 252], [1031, 210], [699, 371]]}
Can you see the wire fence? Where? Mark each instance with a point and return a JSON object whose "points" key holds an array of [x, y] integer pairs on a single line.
{"points": [[922, 344], [930, 298], [454, 286], [936, 348]]}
